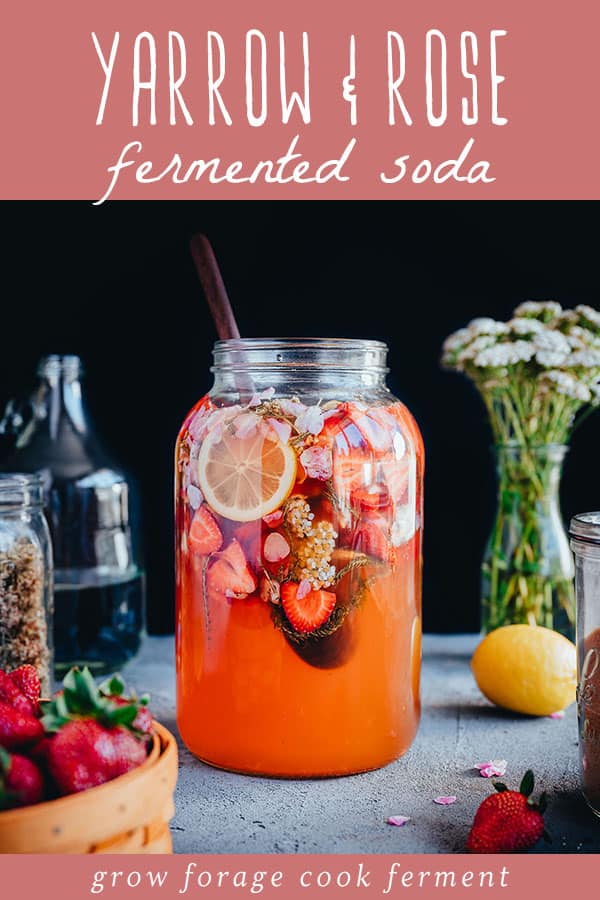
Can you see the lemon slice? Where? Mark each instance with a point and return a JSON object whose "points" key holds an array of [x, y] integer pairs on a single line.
{"points": [[245, 478]]}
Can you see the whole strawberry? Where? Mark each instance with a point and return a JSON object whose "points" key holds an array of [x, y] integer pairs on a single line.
{"points": [[508, 820], [97, 734], [27, 680], [11, 694], [21, 782], [84, 754], [18, 729]]}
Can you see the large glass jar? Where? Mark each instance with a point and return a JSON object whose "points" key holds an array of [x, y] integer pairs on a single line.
{"points": [[299, 521], [25, 578]]}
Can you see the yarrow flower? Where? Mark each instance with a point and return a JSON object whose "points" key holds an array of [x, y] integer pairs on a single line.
{"points": [[525, 326], [508, 354], [587, 359], [566, 384], [589, 315], [486, 326], [544, 310]]}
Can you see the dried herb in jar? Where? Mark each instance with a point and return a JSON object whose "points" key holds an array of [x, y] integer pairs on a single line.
{"points": [[23, 627]]}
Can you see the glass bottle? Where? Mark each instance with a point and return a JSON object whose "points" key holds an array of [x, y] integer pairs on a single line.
{"points": [[298, 542], [585, 543], [25, 578], [99, 585], [527, 572]]}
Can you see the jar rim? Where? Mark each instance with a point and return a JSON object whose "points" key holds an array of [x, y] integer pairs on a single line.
{"points": [[585, 527], [21, 489], [323, 343], [301, 353]]}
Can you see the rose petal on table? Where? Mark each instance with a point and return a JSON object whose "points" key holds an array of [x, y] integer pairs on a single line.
{"points": [[398, 820], [492, 769], [560, 714], [445, 801]]}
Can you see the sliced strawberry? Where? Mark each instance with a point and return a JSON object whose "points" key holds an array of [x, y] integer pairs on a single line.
{"points": [[205, 535], [311, 611], [374, 498], [370, 538], [378, 433], [395, 474], [351, 471], [230, 573]]}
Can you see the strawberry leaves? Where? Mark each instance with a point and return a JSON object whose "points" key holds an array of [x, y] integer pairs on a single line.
{"points": [[527, 783], [81, 698]]}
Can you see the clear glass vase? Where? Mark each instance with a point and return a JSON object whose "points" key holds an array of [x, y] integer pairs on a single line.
{"points": [[527, 571]]}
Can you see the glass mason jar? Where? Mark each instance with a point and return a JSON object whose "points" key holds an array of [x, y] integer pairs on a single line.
{"points": [[585, 543], [527, 571], [25, 578], [298, 522]]}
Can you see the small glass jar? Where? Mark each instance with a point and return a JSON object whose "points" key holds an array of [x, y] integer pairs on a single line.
{"points": [[25, 578], [585, 543], [299, 522]]}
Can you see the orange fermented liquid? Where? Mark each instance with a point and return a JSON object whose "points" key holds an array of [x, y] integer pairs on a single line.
{"points": [[252, 695]]}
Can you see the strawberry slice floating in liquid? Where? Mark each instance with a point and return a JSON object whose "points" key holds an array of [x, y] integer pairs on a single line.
{"points": [[309, 612], [205, 535], [230, 573]]}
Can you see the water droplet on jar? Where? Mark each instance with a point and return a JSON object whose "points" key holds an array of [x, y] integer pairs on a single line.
{"points": [[279, 357]]}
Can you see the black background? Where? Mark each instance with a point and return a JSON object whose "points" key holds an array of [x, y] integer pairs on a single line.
{"points": [[116, 285]]}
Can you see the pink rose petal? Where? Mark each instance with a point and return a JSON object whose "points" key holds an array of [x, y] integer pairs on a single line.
{"points": [[445, 801], [560, 714], [492, 769], [292, 407], [275, 547], [398, 820], [310, 420], [304, 588], [283, 430], [246, 425], [261, 395], [318, 462], [194, 496]]}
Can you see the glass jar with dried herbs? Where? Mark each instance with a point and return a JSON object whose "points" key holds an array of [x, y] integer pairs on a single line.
{"points": [[25, 577]]}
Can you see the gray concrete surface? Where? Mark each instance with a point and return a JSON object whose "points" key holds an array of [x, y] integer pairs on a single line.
{"points": [[218, 812]]}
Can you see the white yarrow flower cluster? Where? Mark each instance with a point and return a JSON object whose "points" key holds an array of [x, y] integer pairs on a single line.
{"points": [[535, 371], [505, 354], [538, 310], [566, 384]]}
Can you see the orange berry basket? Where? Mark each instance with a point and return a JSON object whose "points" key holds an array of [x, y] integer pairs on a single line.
{"points": [[129, 814]]}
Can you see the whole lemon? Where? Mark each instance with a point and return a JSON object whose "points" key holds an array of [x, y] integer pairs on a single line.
{"points": [[526, 668]]}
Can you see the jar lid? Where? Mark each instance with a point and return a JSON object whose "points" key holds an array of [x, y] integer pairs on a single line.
{"points": [[586, 527]]}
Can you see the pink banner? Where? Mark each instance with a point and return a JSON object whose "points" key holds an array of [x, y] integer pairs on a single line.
{"points": [[422, 100], [226, 877]]}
